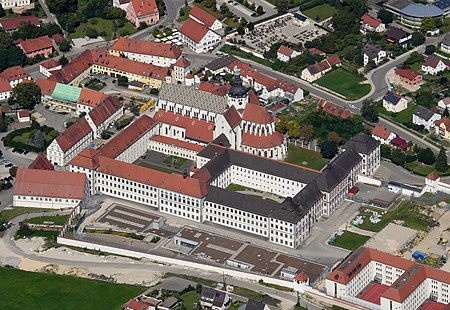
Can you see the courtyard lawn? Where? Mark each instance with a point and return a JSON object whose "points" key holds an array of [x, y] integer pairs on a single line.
{"points": [[345, 83], [154, 167], [22, 289], [102, 25], [57, 220], [411, 214], [26, 137], [186, 10], [350, 240], [175, 161], [237, 188], [321, 12], [304, 157], [190, 299]]}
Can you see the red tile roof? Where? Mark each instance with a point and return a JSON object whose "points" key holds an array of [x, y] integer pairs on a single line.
{"points": [[179, 143], [333, 109], [24, 113], [232, 116], [50, 64], [14, 73], [432, 176], [118, 144], [182, 62], [369, 20], [333, 60], [196, 129], [37, 44], [256, 114], [73, 134], [104, 110], [202, 16], [5, 86], [49, 183], [194, 30], [319, 67], [172, 182], [47, 86], [87, 158], [444, 121], [14, 23], [144, 7], [219, 90], [314, 51], [262, 141], [381, 132], [407, 73], [285, 50], [74, 68], [91, 98], [301, 276], [58, 38], [146, 47], [41, 163], [134, 304]]}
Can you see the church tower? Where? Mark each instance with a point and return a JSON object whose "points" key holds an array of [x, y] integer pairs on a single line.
{"points": [[238, 94]]}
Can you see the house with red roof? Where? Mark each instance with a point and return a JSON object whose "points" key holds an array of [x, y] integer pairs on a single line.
{"points": [[205, 18], [371, 24], [197, 36], [39, 46], [5, 89], [434, 65], [444, 103], [408, 76], [23, 116], [285, 53], [181, 68], [89, 99], [49, 66], [11, 24], [15, 75], [385, 136], [442, 127], [316, 71], [42, 163], [333, 109], [142, 11], [104, 115], [57, 38]]}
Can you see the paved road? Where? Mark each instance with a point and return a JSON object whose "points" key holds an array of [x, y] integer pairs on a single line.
{"points": [[50, 16]]}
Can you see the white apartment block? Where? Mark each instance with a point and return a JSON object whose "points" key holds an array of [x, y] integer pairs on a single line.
{"points": [[11, 4], [369, 149], [198, 37]]}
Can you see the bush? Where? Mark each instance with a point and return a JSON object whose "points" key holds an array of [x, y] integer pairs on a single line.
{"points": [[106, 135], [122, 123], [24, 146]]}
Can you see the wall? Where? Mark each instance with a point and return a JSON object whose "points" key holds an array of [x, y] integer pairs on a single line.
{"points": [[368, 180]]}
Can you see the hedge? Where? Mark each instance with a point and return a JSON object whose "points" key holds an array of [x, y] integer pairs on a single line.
{"points": [[8, 141]]}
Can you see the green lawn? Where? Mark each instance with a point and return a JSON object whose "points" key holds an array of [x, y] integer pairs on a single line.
{"points": [[23, 289], [446, 26], [240, 53], [321, 12], [190, 299], [102, 25], [26, 137], [409, 212], [237, 188], [146, 165], [186, 10], [16, 211], [57, 220], [305, 157], [175, 161], [345, 83], [350, 240], [401, 117]]}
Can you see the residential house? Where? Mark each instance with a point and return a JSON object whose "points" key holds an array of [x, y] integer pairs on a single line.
{"points": [[393, 102], [399, 143], [445, 44], [318, 70], [15, 75], [444, 104], [373, 52], [75, 71], [180, 69], [285, 53], [121, 4], [371, 24], [408, 76], [169, 303], [316, 52], [58, 38], [254, 305], [442, 128], [5, 89], [300, 19], [142, 11], [213, 299], [333, 109], [204, 18], [434, 65], [39, 46], [11, 24], [398, 36], [89, 99], [23, 116], [198, 37], [14, 4], [49, 66], [426, 117], [385, 136]]}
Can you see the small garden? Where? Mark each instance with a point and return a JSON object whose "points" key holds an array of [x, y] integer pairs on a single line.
{"points": [[175, 161], [95, 84], [48, 220], [349, 240], [34, 139]]}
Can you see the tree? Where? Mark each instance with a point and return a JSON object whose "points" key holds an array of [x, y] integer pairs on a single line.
{"points": [[240, 30], [293, 129], [24, 230], [417, 38], [281, 125], [63, 60], [250, 26], [91, 32], [333, 136], [5, 40], [428, 24], [27, 94], [2, 11], [122, 81], [282, 6], [445, 113], [39, 140], [398, 157], [307, 133], [13, 171], [426, 156], [224, 9], [430, 49], [441, 161], [369, 111], [243, 21], [260, 10], [182, 12], [328, 149], [198, 288], [64, 46], [16, 57], [385, 16]]}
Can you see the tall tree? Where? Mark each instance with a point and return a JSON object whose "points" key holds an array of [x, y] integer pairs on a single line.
{"points": [[5, 40], [260, 10], [441, 161], [39, 140], [398, 157], [328, 149], [282, 6], [16, 57], [369, 111], [307, 133], [417, 38], [27, 94], [385, 16], [426, 156], [63, 60], [428, 24], [294, 129]]}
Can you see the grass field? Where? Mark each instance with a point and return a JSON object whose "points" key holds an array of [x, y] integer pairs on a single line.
{"points": [[28, 137], [240, 53], [350, 240], [175, 161], [47, 291], [237, 188], [401, 117], [16, 211], [186, 10], [345, 83], [321, 12], [409, 212], [190, 299], [57, 220], [305, 157], [102, 25]]}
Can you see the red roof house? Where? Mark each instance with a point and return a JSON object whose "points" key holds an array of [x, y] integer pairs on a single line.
{"points": [[142, 11], [409, 76], [38, 46], [204, 18], [14, 23]]}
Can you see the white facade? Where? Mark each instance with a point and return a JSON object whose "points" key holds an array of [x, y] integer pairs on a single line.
{"points": [[206, 43], [98, 129], [5, 95], [285, 58], [48, 71], [44, 202], [441, 66], [14, 83], [401, 105], [380, 56], [57, 156], [11, 4], [138, 148], [428, 124], [170, 149], [155, 60], [386, 141]]}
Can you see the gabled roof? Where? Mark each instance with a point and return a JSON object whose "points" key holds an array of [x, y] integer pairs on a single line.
{"points": [[202, 16], [50, 64], [73, 134], [423, 112], [194, 30], [221, 62], [232, 117], [219, 90], [179, 143], [257, 114], [41, 163], [14, 23], [5, 86], [433, 176], [362, 143], [371, 50], [146, 47], [144, 7], [284, 50], [182, 62], [381, 132], [319, 67], [396, 33], [392, 97], [444, 121], [90, 97], [446, 39], [47, 86], [369, 20], [37, 44], [87, 158], [104, 110], [432, 62], [407, 73], [314, 51], [333, 60], [74, 68], [14, 73], [58, 38]]}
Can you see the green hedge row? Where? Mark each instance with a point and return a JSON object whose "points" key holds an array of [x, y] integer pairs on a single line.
{"points": [[24, 146]]}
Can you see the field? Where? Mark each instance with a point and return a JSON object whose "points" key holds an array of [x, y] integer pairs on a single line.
{"points": [[57, 220], [401, 117], [345, 83], [305, 157], [350, 240], [102, 25], [48, 291], [407, 211], [321, 12], [240, 53]]}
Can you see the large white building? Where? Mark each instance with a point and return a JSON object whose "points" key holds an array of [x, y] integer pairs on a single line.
{"points": [[369, 149], [381, 281], [198, 37], [11, 4]]}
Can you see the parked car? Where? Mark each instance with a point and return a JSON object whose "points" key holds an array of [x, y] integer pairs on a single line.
{"points": [[25, 152], [14, 150], [20, 151], [3, 138], [8, 165]]}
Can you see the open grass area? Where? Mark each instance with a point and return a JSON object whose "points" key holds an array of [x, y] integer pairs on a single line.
{"points": [[345, 83], [305, 157], [408, 213], [102, 25], [446, 26], [321, 12], [56, 220], [240, 53], [401, 117], [154, 167], [175, 161], [350, 240], [49, 291], [257, 296], [9, 214], [237, 188], [28, 137], [186, 10], [190, 299]]}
